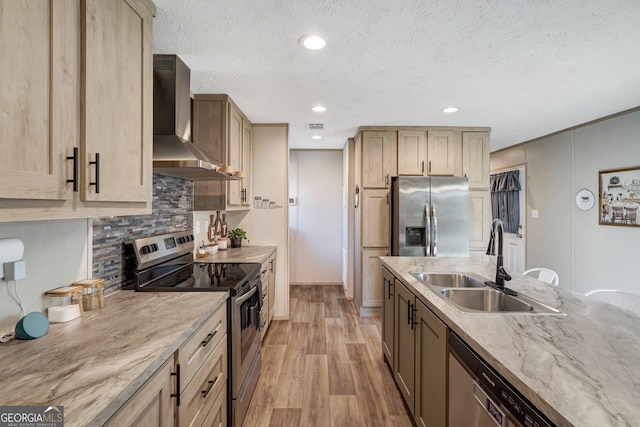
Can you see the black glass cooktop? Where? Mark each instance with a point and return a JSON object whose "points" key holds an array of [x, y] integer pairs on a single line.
{"points": [[200, 277]]}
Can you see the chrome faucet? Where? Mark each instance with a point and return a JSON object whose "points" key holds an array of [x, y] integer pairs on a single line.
{"points": [[501, 273]]}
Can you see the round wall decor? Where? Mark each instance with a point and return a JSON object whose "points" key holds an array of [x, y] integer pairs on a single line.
{"points": [[585, 199]]}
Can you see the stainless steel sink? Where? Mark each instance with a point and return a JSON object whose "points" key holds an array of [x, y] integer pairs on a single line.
{"points": [[489, 300], [450, 280]]}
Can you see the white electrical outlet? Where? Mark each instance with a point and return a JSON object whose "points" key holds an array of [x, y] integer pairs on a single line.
{"points": [[16, 270], [534, 213]]}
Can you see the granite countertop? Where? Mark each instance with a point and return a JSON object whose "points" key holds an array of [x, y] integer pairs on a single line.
{"points": [[239, 255], [582, 369], [92, 365]]}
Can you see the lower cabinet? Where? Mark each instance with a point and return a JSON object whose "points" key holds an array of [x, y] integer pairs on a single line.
{"points": [[153, 404], [431, 369], [197, 372], [387, 317], [268, 280], [419, 360]]}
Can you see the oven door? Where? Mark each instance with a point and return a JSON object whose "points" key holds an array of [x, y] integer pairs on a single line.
{"points": [[245, 339]]}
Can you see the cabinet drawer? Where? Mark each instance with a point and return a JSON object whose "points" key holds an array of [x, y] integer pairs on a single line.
{"points": [[264, 274], [200, 394], [196, 349], [218, 414]]}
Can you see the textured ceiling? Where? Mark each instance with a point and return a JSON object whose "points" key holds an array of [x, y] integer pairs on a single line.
{"points": [[525, 68]]}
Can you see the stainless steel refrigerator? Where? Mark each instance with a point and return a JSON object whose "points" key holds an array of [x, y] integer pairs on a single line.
{"points": [[429, 216]]}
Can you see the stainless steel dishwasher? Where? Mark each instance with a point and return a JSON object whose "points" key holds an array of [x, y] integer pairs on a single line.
{"points": [[479, 397]]}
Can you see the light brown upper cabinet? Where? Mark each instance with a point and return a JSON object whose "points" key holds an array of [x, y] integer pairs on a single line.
{"points": [[379, 158], [444, 151], [221, 130], [82, 87], [475, 159], [432, 152], [412, 152], [118, 73]]}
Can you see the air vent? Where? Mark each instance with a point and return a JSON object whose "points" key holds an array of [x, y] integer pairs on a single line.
{"points": [[315, 126]]}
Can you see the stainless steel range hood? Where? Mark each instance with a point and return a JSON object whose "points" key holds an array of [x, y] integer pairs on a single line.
{"points": [[173, 152]]}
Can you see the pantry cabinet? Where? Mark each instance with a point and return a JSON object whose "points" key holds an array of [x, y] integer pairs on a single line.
{"points": [[479, 221], [375, 218], [221, 130], [77, 126]]}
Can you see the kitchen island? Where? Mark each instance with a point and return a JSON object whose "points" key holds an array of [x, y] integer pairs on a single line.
{"points": [[582, 369], [94, 364]]}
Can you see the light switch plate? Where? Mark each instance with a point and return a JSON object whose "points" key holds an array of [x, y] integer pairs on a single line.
{"points": [[534, 213]]}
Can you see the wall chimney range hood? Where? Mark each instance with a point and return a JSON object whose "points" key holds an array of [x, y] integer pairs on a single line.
{"points": [[173, 152]]}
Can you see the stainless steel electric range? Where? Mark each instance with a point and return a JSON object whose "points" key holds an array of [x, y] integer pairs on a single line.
{"points": [[164, 263]]}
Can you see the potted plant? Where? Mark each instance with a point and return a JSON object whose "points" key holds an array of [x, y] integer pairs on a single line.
{"points": [[236, 235]]}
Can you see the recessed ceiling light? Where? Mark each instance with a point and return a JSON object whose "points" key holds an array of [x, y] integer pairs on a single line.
{"points": [[316, 137], [319, 108], [450, 110], [312, 42]]}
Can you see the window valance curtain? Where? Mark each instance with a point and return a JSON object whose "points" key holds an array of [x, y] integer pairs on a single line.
{"points": [[505, 199]]}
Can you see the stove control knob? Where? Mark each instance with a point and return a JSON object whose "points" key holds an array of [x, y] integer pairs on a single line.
{"points": [[144, 250], [154, 247]]}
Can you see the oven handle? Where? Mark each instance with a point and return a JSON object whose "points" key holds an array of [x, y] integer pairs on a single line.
{"points": [[246, 296]]}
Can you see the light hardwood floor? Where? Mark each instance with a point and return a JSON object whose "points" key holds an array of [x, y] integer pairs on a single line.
{"points": [[324, 367]]}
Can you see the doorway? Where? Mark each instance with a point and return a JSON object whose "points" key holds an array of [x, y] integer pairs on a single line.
{"points": [[515, 243]]}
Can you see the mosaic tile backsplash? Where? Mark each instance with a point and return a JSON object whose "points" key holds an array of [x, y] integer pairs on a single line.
{"points": [[172, 211]]}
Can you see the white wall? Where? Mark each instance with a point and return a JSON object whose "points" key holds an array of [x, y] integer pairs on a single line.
{"points": [[269, 227], [57, 253], [315, 224], [586, 255]]}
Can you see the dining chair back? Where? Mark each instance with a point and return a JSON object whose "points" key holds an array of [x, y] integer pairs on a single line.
{"points": [[624, 299], [543, 274]]}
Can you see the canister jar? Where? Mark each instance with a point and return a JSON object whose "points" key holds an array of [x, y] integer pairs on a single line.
{"points": [[92, 293]]}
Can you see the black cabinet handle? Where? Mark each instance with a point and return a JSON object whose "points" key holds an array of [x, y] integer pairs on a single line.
{"points": [[177, 393], [210, 384], [409, 313], [97, 181], [413, 317], [208, 338], [75, 169], [389, 293]]}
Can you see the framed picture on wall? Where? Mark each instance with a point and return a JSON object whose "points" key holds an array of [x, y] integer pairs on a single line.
{"points": [[619, 196]]}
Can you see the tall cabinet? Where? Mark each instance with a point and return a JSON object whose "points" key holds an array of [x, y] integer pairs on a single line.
{"points": [[77, 116], [381, 153], [222, 130]]}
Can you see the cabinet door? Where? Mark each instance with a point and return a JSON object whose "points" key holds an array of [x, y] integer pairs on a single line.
{"points": [[247, 133], [234, 188], [412, 152], [403, 348], [379, 159], [475, 159], [117, 94], [152, 405], [210, 127], [479, 219], [375, 218], [388, 292], [444, 152], [272, 285], [40, 102], [372, 277], [431, 369]]}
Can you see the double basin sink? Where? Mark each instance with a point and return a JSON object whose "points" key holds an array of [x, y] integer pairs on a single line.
{"points": [[468, 293]]}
